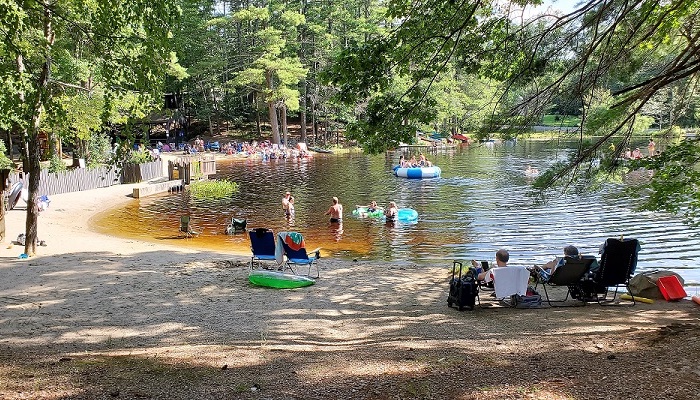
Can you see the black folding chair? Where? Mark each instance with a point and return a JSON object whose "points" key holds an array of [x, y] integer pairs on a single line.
{"points": [[571, 274], [617, 264]]}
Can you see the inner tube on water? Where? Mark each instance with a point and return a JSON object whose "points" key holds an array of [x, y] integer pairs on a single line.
{"points": [[15, 193], [279, 280], [417, 172], [406, 215], [362, 212]]}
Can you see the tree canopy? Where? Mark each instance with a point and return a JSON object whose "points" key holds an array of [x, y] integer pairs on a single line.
{"points": [[613, 60], [70, 61], [380, 70]]}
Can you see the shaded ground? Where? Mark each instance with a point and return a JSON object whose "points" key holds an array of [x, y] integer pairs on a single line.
{"points": [[135, 327]]}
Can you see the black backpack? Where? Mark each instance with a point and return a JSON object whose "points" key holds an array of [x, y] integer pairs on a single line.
{"points": [[463, 287]]}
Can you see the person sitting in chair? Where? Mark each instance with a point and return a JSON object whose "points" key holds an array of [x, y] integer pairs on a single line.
{"points": [[546, 270], [502, 258]]}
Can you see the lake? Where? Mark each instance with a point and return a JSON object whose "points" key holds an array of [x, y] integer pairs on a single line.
{"points": [[482, 202]]}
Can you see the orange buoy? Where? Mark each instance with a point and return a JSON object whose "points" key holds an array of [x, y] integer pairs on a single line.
{"points": [[696, 299]]}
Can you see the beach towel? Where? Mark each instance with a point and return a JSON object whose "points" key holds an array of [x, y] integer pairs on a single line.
{"points": [[294, 240], [508, 281]]}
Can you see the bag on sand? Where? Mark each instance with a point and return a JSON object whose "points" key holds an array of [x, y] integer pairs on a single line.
{"points": [[645, 284], [531, 299]]}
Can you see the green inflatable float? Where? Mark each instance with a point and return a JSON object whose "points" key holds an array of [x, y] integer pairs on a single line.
{"points": [[363, 212], [279, 280]]}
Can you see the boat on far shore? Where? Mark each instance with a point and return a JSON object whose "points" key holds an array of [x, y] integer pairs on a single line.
{"points": [[320, 150]]}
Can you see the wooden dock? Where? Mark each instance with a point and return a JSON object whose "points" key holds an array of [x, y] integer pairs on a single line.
{"points": [[152, 188]]}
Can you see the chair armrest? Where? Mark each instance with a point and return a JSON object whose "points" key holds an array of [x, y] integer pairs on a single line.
{"points": [[317, 251]]}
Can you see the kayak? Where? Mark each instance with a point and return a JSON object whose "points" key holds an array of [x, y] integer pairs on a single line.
{"points": [[279, 280], [15, 194]]}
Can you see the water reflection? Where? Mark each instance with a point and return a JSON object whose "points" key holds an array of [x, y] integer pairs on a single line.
{"points": [[483, 202]]}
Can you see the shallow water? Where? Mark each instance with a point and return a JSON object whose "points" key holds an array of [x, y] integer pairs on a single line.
{"points": [[483, 202]]}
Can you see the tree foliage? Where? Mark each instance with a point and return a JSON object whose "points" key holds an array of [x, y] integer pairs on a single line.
{"points": [[635, 52], [52, 48]]}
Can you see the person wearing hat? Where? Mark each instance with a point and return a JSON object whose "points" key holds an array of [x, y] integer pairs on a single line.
{"points": [[335, 211]]}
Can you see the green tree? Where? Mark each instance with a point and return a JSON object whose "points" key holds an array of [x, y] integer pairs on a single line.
{"points": [[275, 70], [5, 162], [634, 49], [127, 41]]}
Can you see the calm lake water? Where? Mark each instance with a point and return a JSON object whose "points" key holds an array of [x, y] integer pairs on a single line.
{"points": [[483, 202]]}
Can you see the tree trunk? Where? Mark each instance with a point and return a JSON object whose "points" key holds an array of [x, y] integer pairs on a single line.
{"points": [[257, 114], [314, 124], [9, 144], [283, 112], [206, 101], [274, 125], [33, 150], [302, 114]]}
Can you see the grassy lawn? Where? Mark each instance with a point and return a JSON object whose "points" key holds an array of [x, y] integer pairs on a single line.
{"points": [[560, 120]]}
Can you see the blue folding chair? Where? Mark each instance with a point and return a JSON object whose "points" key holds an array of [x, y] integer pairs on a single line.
{"points": [[262, 244], [301, 257]]}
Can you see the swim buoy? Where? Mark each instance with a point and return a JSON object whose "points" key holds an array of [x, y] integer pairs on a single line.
{"points": [[15, 193], [696, 299], [279, 280]]}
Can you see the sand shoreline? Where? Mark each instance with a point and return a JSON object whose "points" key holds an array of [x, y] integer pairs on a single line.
{"points": [[365, 330]]}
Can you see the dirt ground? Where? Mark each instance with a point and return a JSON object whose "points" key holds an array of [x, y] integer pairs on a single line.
{"points": [[197, 330], [99, 317]]}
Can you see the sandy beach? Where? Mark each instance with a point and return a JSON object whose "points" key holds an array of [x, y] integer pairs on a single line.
{"points": [[97, 317]]}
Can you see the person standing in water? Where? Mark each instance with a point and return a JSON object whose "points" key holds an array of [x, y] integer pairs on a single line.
{"points": [[392, 212], [288, 205], [335, 211]]}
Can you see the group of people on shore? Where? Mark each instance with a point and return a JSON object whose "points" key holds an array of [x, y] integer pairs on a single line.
{"points": [[414, 162], [540, 273]]}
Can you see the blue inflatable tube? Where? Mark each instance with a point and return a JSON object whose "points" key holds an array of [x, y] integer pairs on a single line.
{"points": [[417, 172], [407, 215]]}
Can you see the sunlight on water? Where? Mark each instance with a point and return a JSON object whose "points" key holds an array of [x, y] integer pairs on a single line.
{"points": [[482, 202]]}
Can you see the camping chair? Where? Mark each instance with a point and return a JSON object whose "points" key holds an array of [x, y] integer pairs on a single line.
{"points": [[508, 281], [294, 248], [617, 264], [570, 275], [262, 244], [186, 227]]}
